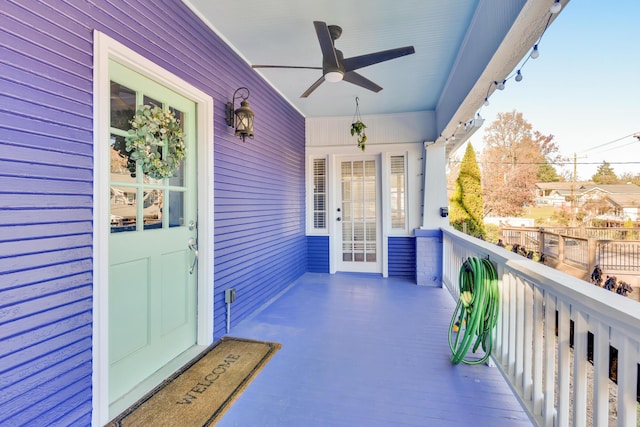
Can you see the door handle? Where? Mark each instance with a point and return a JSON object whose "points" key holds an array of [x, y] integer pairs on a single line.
{"points": [[194, 248]]}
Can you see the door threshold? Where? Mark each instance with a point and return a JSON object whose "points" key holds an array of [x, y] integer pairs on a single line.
{"points": [[153, 380]]}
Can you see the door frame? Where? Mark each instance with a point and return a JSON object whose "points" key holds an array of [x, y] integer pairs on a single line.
{"points": [[105, 49], [336, 202]]}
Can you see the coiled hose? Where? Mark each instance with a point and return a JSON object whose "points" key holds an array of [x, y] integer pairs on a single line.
{"points": [[476, 312]]}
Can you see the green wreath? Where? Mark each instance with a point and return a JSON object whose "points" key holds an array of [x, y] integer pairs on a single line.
{"points": [[151, 130]]}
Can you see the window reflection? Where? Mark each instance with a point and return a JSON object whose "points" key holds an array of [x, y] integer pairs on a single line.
{"points": [[152, 209], [176, 208], [123, 105], [124, 208]]}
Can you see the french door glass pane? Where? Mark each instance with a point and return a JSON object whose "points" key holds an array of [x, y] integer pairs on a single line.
{"points": [[123, 106], [176, 208]]}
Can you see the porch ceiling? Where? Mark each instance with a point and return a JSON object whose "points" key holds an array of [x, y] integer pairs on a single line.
{"points": [[461, 46]]}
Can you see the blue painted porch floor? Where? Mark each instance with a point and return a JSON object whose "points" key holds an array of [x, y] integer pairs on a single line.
{"points": [[359, 350]]}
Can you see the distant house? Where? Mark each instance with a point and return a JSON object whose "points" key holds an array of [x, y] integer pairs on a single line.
{"points": [[625, 206], [596, 198]]}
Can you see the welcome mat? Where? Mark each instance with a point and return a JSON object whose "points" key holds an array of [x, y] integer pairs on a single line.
{"points": [[200, 392]]}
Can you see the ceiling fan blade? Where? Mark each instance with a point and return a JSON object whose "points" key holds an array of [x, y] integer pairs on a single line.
{"points": [[329, 57], [312, 87], [356, 62], [286, 66], [360, 80]]}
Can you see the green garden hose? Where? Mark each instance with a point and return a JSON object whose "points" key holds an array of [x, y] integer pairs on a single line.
{"points": [[476, 312]]}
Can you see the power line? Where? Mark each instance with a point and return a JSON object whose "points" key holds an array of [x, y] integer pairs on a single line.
{"points": [[552, 163], [611, 142]]}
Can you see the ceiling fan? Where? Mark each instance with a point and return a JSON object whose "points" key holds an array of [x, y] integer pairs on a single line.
{"points": [[335, 67]]}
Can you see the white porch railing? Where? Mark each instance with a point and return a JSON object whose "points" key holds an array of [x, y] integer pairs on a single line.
{"points": [[551, 374]]}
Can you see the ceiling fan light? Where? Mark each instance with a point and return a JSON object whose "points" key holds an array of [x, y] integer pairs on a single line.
{"points": [[333, 76]]}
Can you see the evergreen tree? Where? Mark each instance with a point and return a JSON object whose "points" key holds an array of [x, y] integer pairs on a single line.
{"points": [[466, 201], [547, 173], [605, 175]]}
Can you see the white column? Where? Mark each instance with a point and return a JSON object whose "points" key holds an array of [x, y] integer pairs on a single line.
{"points": [[435, 186]]}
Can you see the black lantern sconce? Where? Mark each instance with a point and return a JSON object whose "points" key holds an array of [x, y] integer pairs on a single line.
{"points": [[242, 118]]}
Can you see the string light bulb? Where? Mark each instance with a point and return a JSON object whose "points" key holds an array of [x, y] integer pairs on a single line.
{"points": [[486, 102], [556, 7], [500, 85], [535, 53], [519, 76]]}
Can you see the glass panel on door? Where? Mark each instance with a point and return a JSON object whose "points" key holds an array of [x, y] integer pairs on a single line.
{"points": [[359, 215]]}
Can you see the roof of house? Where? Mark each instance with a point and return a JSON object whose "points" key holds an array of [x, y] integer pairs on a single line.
{"points": [[588, 186], [625, 200]]}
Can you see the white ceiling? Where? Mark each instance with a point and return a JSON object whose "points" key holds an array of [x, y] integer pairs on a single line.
{"points": [[455, 42]]}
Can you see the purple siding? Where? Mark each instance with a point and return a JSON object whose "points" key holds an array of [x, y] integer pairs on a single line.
{"points": [[318, 254], [402, 257], [46, 199]]}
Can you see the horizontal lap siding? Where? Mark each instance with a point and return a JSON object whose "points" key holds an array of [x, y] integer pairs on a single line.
{"points": [[402, 257], [46, 179], [318, 254]]}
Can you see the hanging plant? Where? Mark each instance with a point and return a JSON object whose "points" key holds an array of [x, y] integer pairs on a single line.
{"points": [[358, 127], [152, 129]]}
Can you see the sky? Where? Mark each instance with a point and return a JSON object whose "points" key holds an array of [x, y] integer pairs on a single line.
{"points": [[584, 88]]}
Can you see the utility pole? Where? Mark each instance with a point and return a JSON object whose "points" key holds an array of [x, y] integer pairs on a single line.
{"points": [[573, 191]]}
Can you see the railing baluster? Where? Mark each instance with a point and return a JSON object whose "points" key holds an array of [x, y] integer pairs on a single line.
{"points": [[600, 374], [550, 358], [579, 368], [538, 349], [512, 326], [563, 363], [528, 341], [627, 374]]}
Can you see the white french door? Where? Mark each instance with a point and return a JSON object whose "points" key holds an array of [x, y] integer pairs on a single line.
{"points": [[358, 215]]}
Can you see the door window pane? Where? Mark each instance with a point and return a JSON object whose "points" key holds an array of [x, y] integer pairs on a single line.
{"points": [[176, 208], [152, 209], [123, 106], [123, 208]]}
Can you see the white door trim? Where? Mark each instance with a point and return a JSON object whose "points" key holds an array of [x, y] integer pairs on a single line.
{"points": [[105, 49]]}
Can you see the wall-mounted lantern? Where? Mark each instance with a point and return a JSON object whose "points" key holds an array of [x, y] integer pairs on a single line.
{"points": [[242, 118]]}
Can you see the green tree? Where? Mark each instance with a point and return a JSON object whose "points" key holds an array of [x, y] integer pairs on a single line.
{"points": [[466, 203], [605, 175], [547, 173]]}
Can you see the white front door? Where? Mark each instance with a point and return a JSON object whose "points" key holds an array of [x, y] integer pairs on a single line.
{"points": [[152, 243], [358, 230]]}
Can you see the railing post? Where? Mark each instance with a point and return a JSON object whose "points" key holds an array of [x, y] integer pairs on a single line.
{"points": [[561, 248], [592, 245], [541, 240]]}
